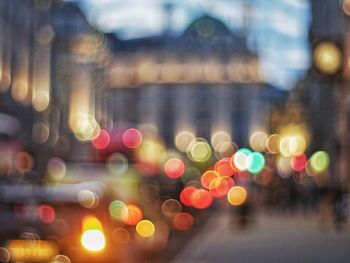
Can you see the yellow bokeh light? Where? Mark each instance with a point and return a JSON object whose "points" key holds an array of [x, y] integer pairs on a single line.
{"points": [[31, 251], [297, 144], [327, 57], [294, 139], [85, 127], [145, 228], [237, 195], [93, 240], [292, 145], [199, 151], [284, 147], [150, 151], [91, 222]]}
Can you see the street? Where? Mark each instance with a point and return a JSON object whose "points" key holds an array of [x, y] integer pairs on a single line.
{"points": [[274, 238]]}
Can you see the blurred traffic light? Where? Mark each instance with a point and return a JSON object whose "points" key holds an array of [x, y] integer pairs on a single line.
{"points": [[93, 238]]}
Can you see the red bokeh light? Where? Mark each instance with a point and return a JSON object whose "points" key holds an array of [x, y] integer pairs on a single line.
{"points": [[132, 138], [223, 167], [102, 140], [298, 162], [183, 221], [201, 199], [185, 195], [46, 214], [174, 168]]}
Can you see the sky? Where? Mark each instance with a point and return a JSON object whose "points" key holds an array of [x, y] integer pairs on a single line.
{"points": [[277, 30]]}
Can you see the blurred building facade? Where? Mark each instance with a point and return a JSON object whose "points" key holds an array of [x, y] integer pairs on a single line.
{"points": [[204, 82], [62, 79], [46, 46]]}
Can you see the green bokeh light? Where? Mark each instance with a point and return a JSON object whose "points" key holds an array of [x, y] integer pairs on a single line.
{"points": [[256, 162], [319, 161], [118, 210]]}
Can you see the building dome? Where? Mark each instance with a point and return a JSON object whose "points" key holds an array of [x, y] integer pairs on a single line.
{"points": [[206, 27]]}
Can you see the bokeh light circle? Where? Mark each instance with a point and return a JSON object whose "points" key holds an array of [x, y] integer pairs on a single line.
{"points": [[225, 149], [174, 168], [240, 159], [183, 221], [88, 199], [133, 216], [145, 228], [284, 168], [102, 140], [93, 240], [186, 195], [255, 162], [46, 214], [56, 168], [272, 143], [117, 163], [219, 187], [327, 57], [298, 162], [24, 161], [199, 150], [220, 137], [237, 195], [118, 210], [319, 161], [258, 141], [183, 140], [171, 207], [201, 199], [223, 167], [61, 259], [4, 255], [208, 177], [132, 138]]}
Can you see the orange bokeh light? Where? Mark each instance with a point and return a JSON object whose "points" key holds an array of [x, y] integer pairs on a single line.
{"points": [[134, 215], [208, 177], [237, 195]]}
